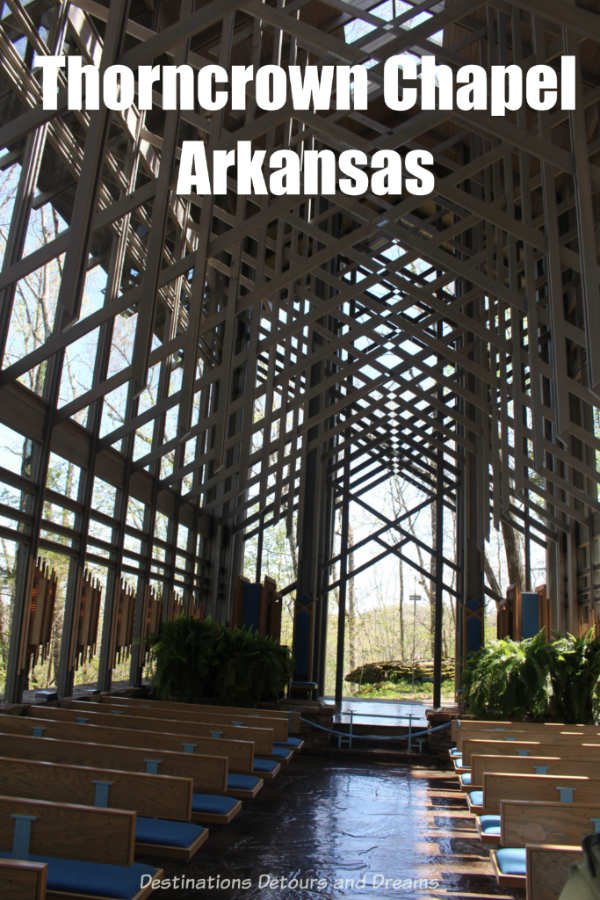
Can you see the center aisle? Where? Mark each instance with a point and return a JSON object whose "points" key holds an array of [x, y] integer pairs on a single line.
{"points": [[375, 830]]}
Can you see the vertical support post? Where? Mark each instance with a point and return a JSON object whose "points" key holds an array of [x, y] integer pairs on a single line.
{"points": [[439, 542], [474, 602], [309, 522], [460, 576], [552, 583], [16, 682], [339, 664], [327, 532], [528, 583], [439, 574], [259, 550], [572, 608]]}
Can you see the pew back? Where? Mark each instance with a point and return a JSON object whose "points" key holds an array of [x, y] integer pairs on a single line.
{"points": [[155, 796], [208, 773], [576, 748], [239, 753], [548, 868], [462, 726], [538, 733], [157, 708], [552, 788], [291, 716], [534, 765], [524, 822], [70, 831], [261, 737]]}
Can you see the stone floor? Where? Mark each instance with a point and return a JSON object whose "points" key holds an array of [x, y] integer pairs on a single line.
{"points": [[326, 830]]}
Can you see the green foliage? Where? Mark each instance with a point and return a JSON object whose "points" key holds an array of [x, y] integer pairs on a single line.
{"points": [[535, 679], [198, 660], [403, 689], [576, 679]]}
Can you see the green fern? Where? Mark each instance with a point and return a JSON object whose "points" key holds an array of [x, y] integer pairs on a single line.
{"points": [[198, 660], [535, 679]]}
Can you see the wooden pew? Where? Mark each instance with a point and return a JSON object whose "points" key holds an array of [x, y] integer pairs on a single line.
{"points": [[499, 786], [462, 726], [529, 748], [81, 844], [292, 716], [519, 744], [281, 749], [521, 731], [240, 754], [549, 735], [163, 804], [262, 738], [548, 869], [205, 714], [534, 765], [23, 879], [263, 730], [524, 824], [208, 773], [246, 774]]}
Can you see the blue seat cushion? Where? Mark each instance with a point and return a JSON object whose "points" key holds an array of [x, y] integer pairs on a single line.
{"points": [[242, 782], [466, 778], [476, 798], [455, 752], [96, 879], [291, 742], [264, 765], [490, 824], [163, 831], [212, 803], [280, 752], [512, 860]]}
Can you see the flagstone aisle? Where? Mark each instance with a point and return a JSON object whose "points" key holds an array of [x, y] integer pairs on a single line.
{"points": [[326, 830]]}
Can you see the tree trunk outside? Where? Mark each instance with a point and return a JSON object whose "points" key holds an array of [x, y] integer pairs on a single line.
{"points": [[432, 567], [491, 576], [513, 555], [401, 608], [351, 611]]}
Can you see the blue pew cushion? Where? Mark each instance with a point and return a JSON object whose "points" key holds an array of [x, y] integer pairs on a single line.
{"points": [[280, 752], [512, 860], [466, 778], [291, 742], [101, 879], [212, 803], [163, 831], [242, 782], [264, 765], [476, 798], [490, 824]]}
